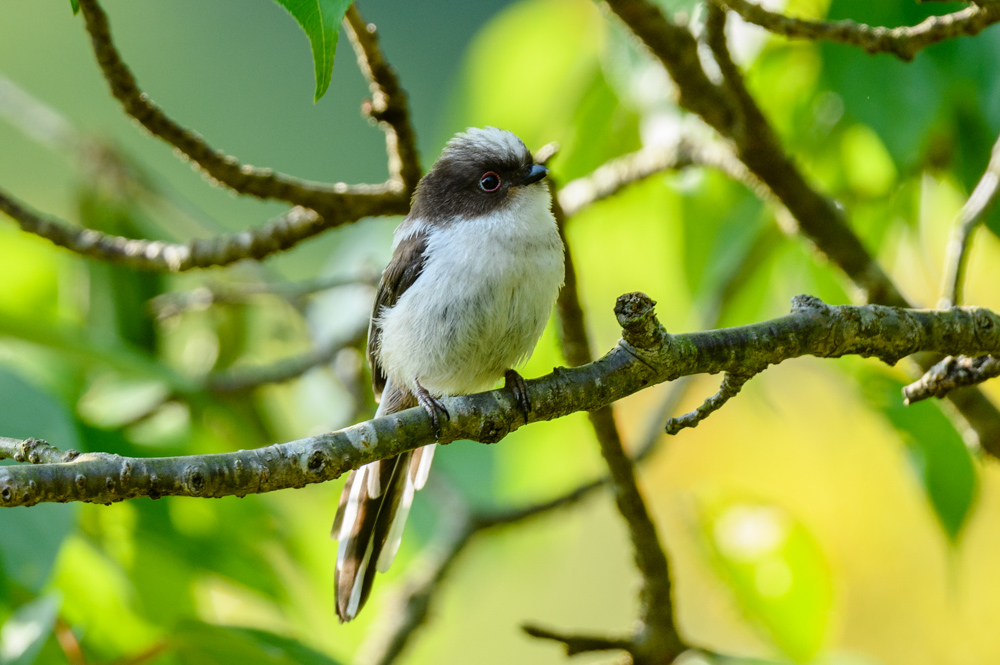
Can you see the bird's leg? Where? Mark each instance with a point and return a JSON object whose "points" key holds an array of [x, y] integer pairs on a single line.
{"points": [[433, 406], [515, 383]]}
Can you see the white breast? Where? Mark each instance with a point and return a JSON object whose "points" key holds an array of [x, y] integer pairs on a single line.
{"points": [[481, 303]]}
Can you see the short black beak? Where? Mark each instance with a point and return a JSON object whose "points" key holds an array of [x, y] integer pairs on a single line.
{"points": [[535, 173]]}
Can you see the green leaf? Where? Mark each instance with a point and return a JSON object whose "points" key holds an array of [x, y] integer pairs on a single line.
{"points": [[938, 454], [75, 5], [203, 644], [320, 19], [775, 569], [25, 632]]}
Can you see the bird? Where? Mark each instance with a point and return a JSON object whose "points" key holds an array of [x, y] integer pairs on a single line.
{"points": [[477, 265]]}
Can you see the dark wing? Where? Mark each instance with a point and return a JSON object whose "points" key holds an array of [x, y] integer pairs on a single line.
{"points": [[406, 265]]}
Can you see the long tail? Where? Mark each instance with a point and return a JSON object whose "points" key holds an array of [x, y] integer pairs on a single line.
{"points": [[374, 505]]}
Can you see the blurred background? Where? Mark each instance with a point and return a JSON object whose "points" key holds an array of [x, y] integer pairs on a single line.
{"points": [[814, 519]]}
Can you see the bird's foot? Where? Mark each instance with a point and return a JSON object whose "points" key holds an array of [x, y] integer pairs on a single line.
{"points": [[515, 383], [433, 406]]}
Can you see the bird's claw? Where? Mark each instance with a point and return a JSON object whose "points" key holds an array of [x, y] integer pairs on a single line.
{"points": [[515, 383], [434, 408]]}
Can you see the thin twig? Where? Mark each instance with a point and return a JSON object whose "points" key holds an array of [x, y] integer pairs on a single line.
{"points": [[168, 305], [904, 42], [238, 379], [950, 374], [969, 218], [621, 172], [577, 644], [68, 642], [388, 105], [731, 386]]}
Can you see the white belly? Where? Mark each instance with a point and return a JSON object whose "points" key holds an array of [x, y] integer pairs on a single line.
{"points": [[480, 304]]}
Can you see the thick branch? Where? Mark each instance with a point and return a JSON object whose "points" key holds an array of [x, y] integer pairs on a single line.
{"points": [[645, 356], [969, 218], [334, 201], [903, 42], [817, 218]]}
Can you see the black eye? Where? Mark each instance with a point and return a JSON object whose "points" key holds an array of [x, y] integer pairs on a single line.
{"points": [[490, 182]]}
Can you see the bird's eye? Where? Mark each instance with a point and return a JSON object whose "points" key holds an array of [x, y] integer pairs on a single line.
{"points": [[490, 182]]}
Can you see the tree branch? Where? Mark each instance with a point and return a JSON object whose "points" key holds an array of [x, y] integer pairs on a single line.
{"points": [[732, 111], [174, 303], [236, 379], [950, 374], [334, 201], [645, 356], [388, 105], [34, 451], [276, 236], [577, 644], [731, 386], [657, 639], [903, 42], [969, 218], [621, 172]]}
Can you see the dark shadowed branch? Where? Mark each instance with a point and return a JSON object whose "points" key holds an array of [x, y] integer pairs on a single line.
{"points": [[903, 42], [657, 639], [577, 644]]}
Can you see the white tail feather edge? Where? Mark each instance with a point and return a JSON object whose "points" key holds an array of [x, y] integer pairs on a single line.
{"points": [[395, 535], [374, 480], [424, 470], [355, 601], [350, 513]]}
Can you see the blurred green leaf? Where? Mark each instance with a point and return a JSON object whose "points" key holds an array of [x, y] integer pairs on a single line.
{"points": [[776, 571], [549, 50], [939, 456], [203, 644], [32, 536], [75, 5], [320, 20], [603, 128], [24, 634]]}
